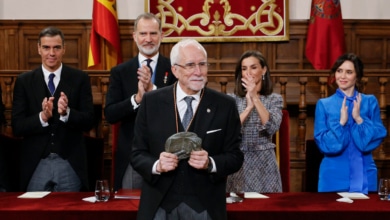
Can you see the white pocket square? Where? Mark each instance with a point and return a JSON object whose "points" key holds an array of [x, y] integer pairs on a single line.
{"points": [[212, 131]]}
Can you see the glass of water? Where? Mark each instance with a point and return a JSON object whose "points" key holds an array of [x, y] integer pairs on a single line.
{"points": [[384, 189], [102, 191]]}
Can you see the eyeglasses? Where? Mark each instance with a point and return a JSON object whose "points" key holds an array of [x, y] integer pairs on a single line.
{"points": [[190, 67]]}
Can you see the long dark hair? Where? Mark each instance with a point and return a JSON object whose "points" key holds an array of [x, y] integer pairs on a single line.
{"points": [[266, 83]]}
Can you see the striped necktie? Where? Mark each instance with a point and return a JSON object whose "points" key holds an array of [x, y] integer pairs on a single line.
{"points": [[188, 114]]}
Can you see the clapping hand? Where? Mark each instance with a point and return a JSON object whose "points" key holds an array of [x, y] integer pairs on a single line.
{"points": [[250, 86], [145, 76], [47, 108], [356, 109], [62, 104], [344, 112]]}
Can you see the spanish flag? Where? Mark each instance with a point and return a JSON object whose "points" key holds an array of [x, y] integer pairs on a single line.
{"points": [[104, 29], [325, 35], [105, 36]]}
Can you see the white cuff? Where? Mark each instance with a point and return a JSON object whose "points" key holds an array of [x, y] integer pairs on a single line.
{"points": [[214, 170], [133, 102], [154, 169], [65, 118], [44, 124]]}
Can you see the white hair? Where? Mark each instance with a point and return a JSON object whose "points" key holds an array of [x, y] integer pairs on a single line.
{"points": [[183, 43]]}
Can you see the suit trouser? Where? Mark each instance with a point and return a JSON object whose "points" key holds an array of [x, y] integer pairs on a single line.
{"points": [[54, 174], [131, 179]]}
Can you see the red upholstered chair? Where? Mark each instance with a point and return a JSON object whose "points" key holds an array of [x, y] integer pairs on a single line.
{"points": [[282, 142]]}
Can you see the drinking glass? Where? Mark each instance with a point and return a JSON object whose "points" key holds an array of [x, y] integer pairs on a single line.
{"points": [[102, 191], [384, 189]]}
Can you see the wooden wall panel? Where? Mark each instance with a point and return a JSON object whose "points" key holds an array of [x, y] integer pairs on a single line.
{"points": [[374, 55], [9, 47], [28, 49], [75, 38], [290, 54], [165, 49], [2, 48], [286, 55], [369, 39], [129, 48]]}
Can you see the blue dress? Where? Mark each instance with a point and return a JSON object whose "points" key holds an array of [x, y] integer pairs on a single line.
{"points": [[348, 165]]}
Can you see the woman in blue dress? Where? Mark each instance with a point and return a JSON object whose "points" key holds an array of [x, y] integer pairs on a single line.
{"points": [[347, 128]]}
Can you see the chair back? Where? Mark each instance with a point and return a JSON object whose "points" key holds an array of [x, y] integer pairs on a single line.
{"points": [[9, 163], [313, 161], [282, 142], [95, 159]]}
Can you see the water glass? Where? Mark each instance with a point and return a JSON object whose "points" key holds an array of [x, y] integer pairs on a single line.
{"points": [[384, 189], [102, 191]]}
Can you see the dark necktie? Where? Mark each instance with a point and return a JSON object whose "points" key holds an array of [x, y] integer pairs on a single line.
{"points": [[148, 61], [51, 86], [188, 114]]}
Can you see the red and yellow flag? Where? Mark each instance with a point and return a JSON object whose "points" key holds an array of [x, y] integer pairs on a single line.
{"points": [[325, 35], [104, 29], [105, 36]]}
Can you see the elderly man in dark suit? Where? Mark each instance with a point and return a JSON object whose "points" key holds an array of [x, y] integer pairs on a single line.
{"points": [[129, 81], [52, 107], [192, 188]]}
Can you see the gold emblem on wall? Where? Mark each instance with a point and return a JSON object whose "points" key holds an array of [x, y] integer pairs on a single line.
{"points": [[222, 20]]}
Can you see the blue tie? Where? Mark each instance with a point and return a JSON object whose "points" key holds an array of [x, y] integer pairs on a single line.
{"points": [[148, 61], [188, 114], [51, 86]]}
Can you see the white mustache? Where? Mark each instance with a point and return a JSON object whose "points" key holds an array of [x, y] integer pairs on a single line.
{"points": [[197, 78]]}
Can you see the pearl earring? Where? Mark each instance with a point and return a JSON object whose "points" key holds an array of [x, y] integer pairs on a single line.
{"points": [[263, 76]]}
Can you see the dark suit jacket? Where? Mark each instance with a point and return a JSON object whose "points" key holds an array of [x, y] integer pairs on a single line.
{"points": [[156, 121], [124, 84], [29, 91]]}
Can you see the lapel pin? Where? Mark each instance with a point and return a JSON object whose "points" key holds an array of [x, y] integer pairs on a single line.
{"points": [[208, 110]]}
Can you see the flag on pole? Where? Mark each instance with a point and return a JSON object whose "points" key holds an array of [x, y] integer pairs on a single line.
{"points": [[325, 36], [104, 34]]}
